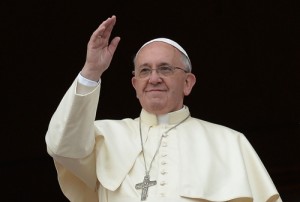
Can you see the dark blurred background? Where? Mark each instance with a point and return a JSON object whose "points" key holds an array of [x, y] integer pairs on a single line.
{"points": [[245, 54]]}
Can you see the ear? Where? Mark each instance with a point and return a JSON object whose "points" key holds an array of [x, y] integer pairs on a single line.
{"points": [[190, 81], [133, 82]]}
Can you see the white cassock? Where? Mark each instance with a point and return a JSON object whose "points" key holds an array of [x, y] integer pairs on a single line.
{"points": [[197, 161]]}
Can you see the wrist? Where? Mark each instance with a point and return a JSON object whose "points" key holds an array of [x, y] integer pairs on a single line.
{"points": [[92, 74]]}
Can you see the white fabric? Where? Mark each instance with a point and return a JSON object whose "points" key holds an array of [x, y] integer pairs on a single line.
{"points": [[87, 82], [101, 161], [168, 41]]}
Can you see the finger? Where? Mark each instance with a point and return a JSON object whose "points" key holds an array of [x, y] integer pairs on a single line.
{"points": [[113, 45], [104, 30], [109, 25]]}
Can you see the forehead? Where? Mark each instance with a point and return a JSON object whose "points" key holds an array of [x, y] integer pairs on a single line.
{"points": [[157, 52]]}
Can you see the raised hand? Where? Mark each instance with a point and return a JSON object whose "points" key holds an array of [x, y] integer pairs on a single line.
{"points": [[100, 50]]}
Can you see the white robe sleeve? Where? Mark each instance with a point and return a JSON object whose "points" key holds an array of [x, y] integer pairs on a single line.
{"points": [[71, 140], [261, 184]]}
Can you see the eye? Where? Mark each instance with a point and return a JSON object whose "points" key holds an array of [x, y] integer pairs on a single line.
{"points": [[145, 71], [165, 69]]}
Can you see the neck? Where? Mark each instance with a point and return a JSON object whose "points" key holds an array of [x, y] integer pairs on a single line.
{"points": [[167, 118]]}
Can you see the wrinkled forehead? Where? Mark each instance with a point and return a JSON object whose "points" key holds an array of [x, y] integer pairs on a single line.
{"points": [[168, 41]]}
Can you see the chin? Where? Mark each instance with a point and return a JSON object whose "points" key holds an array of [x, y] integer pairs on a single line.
{"points": [[156, 109]]}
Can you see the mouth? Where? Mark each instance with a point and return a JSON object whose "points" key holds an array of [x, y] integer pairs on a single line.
{"points": [[155, 90]]}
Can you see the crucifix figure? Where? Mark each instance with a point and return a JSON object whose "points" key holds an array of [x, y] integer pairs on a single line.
{"points": [[144, 186]]}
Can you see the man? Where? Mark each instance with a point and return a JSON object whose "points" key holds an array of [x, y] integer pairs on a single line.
{"points": [[163, 155]]}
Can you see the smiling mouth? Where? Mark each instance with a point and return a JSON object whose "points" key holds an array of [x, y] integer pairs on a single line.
{"points": [[154, 90]]}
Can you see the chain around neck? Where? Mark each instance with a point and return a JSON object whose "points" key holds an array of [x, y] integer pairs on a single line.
{"points": [[147, 171]]}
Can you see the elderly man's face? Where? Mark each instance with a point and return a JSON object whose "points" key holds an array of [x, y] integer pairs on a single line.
{"points": [[157, 93]]}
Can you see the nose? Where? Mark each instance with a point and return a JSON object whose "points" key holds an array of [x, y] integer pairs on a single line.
{"points": [[154, 77]]}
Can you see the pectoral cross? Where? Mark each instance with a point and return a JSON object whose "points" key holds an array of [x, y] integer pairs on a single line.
{"points": [[144, 186]]}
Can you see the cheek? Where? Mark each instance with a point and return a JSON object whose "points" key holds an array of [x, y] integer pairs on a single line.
{"points": [[179, 87], [138, 93], [138, 86]]}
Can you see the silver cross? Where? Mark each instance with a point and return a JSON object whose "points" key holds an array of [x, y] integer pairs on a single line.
{"points": [[144, 186]]}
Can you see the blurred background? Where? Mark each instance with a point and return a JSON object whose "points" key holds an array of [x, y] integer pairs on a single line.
{"points": [[245, 54]]}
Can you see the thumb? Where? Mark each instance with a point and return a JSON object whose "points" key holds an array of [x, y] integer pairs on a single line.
{"points": [[113, 45]]}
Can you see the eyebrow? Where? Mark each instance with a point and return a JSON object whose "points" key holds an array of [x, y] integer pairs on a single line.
{"points": [[159, 65]]}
